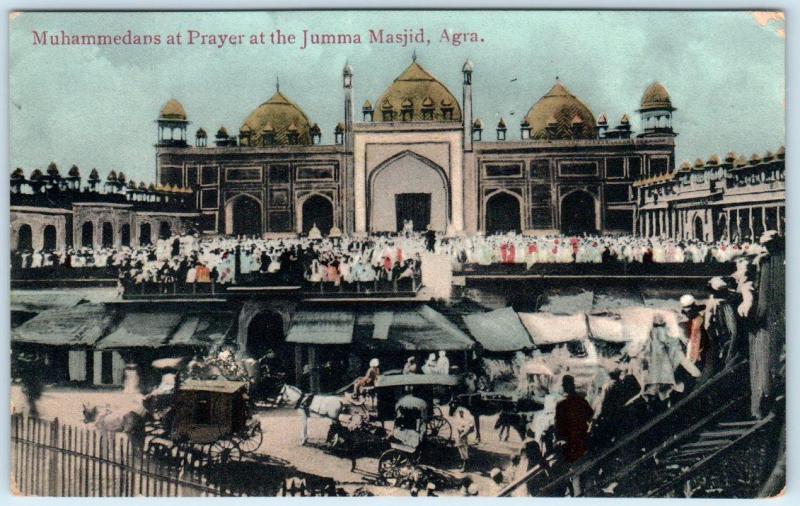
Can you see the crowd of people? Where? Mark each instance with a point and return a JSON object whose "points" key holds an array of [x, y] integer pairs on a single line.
{"points": [[195, 263]]}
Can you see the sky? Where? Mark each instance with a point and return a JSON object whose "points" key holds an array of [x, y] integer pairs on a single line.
{"points": [[96, 106]]}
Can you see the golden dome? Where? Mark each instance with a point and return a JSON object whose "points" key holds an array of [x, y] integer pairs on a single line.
{"points": [[173, 110], [415, 86], [279, 113], [656, 97], [559, 108]]}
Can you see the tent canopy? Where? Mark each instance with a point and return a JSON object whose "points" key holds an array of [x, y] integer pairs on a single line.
{"points": [[499, 330], [417, 328]]}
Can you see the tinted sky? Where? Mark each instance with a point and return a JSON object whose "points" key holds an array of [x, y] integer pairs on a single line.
{"points": [[95, 106]]}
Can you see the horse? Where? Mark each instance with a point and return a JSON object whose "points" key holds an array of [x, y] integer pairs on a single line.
{"points": [[323, 406], [479, 406], [131, 423]]}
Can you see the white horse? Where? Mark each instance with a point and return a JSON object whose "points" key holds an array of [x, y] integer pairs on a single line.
{"points": [[323, 406], [130, 422]]}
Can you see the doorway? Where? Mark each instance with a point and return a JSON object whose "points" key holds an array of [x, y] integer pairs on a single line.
{"points": [[578, 213], [502, 214], [415, 207]]}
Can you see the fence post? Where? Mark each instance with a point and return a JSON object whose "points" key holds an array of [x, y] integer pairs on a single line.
{"points": [[53, 464]]}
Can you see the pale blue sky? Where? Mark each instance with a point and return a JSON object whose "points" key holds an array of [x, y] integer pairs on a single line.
{"points": [[95, 107]]}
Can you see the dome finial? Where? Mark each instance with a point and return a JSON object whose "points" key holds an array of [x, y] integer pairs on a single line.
{"points": [[414, 56], [277, 84]]}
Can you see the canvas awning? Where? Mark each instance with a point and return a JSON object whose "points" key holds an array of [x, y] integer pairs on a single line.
{"points": [[321, 327], [142, 330], [81, 325], [499, 330], [419, 328], [35, 301], [218, 386], [203, 329], [546, 328]]}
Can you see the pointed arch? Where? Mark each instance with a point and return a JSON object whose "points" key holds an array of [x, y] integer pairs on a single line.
{"points": [[315, 208], [578, 212], [503, 212], [423, 185], [243, 215]]}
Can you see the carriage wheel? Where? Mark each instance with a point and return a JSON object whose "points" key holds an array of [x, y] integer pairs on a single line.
{"points": [[250, 439], [393, 466], [439, 428], [160, 450], [223, 451]]}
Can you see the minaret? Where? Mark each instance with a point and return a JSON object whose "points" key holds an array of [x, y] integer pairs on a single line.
{"points": [[349, 214], [467, 105]]}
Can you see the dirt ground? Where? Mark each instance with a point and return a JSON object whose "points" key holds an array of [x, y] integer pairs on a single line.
{"points": [[282, 432]]}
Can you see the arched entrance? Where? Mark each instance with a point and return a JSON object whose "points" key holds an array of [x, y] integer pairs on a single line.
{"points": [[264, 334], [317, 210], [50, 242], [125, 235], [87, 235], [502, 214], [578, 213], [698, 228], [25, 238], [243, 216], [108, 235], [164, 230], [144, 234], [408, 187]]}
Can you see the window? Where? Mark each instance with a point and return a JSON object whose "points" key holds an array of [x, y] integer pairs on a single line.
{"points": [[249, 174], [201, 413], [172, 176], [315, 172], [209, 175], [447, 113], [279, 173], [541, 194], [578, 168], [209, 199], [658, 166], [615, 167], [279, 198], [540, 169], [503, 170], [617, 193]]}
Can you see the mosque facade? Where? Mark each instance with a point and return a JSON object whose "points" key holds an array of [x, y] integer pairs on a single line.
{"points": [[417, 155]]}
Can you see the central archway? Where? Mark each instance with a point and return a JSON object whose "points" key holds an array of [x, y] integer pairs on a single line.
{"points": [[317, 210], [108, 235], [578, 213], [408, 187], [243, 216], [503, 214]]}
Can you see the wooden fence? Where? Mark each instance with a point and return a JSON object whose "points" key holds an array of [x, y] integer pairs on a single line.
{"points": [[50, 459]]}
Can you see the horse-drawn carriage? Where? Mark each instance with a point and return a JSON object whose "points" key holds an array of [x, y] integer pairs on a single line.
{"points": [[202, 421]]}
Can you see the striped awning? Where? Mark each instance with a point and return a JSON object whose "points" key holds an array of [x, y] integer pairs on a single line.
{"points": [[81, 325], [142, 330], [321, 327]]}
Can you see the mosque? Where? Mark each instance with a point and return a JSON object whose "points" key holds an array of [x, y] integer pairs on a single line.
{"points": [[418, 155]]}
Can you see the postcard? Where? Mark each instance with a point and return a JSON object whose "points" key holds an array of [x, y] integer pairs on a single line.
{"points": [[397, 253]]}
